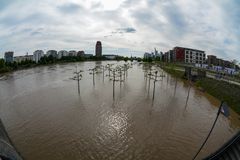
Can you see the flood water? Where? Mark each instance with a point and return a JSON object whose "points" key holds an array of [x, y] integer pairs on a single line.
{"points": [[47, 119]]}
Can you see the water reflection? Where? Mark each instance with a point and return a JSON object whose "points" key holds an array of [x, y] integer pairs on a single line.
{"points": [[189, 89]]}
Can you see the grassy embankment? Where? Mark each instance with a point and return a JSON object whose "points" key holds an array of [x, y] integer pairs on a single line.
{"points": [[221, 90]]}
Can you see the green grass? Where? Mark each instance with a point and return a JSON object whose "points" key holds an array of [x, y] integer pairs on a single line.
{"points": [[223, 91], [171, 70]]}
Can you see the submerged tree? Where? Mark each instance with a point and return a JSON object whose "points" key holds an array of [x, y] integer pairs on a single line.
{"points": [[93, 71], [77, 77], [155, 76]]}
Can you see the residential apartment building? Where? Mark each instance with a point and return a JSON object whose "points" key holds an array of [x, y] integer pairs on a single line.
{"points": [[37, 55], [213, 60], [8, 56], [52, 53], [195, 56], [168, 56], [80, 53], [72, 53], [62, 53], [188, 55], [20, 59]]}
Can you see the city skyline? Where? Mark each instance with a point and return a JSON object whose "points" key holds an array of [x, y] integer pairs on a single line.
{"points": [[125, 27]]}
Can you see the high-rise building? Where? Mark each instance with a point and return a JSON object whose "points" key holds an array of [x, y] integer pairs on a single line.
{"points": [[8, 56], [98, 50], [37, 55]]}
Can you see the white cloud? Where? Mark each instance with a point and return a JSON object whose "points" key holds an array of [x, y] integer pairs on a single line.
{"points": [[212, 26]]}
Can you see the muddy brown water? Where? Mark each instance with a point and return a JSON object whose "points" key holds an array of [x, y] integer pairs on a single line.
{"points": [[47, 119]]}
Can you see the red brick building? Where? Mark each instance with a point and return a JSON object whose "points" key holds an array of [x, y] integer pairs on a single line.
{"points": [[188, 55], [178, 54]]}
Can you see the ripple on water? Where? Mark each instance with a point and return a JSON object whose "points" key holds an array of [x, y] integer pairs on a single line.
{"points": [[48, 119]]}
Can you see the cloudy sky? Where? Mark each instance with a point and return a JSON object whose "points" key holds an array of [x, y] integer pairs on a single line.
{"points": [[125, 27]]}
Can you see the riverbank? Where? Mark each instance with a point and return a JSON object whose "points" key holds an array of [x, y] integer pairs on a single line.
{"points": [[221, 90], [6, 67], [16, 67]]}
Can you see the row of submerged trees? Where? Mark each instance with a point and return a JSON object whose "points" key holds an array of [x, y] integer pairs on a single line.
{"points": [[154, 75], [114, 73]]}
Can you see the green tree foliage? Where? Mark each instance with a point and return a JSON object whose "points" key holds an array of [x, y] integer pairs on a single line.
{"points": [[149, 59], [2, 63], [6, 67], [125, 59]]}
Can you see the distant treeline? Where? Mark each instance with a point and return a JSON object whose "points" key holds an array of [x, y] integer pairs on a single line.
{"points": [[7, 66]]}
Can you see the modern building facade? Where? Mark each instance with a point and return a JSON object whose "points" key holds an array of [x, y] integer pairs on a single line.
{"points": [[62, 53], [20, 59], [168, 56], [211, 60], [98, 49], [148, 55], [178, 54], [37, 55], [8, 56], [72, 53], [80, 53], [52, 53], [188, 55], [214, 61], [195, 56]]}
